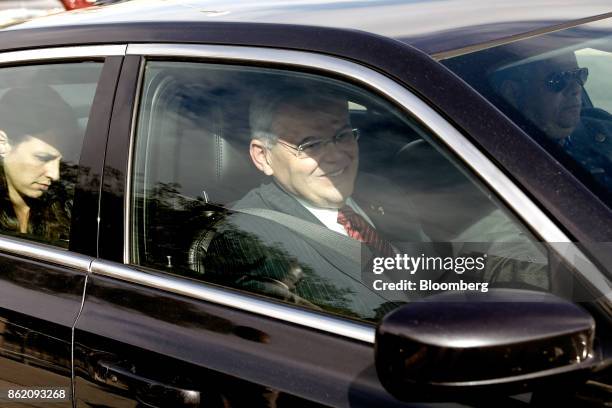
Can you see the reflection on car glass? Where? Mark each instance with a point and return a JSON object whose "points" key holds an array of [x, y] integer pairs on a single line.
{"points": [[44, 110], [558, 90], [32, 198], [294, 186]]}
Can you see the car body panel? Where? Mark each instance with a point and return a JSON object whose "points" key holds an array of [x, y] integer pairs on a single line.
{"points": [[114, 185], [39, 305], [42, 286], [84, 228], [203, 346], [433, 26]]}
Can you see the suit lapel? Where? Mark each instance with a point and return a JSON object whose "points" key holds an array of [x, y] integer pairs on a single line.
{"points": [[279, 200]]}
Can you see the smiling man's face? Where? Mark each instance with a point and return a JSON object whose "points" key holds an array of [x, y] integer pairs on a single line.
{"points": [[555, 113], [328, 179]]}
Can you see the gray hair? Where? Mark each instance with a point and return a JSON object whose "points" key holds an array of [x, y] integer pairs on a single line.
{"points": [[265, 105], [262, 113]]}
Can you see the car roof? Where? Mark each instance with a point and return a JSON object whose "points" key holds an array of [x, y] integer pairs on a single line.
{"points": [[434, 26]]}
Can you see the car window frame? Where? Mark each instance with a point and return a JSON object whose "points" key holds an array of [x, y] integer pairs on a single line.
{"points": [[117, 265], [74, 261], [78, 257], [542, 177]]}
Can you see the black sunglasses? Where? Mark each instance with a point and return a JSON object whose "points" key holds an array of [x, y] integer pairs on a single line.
{"points": [[558, 81]]}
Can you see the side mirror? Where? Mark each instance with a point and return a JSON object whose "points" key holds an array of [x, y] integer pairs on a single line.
{"points": [[505, 342]]}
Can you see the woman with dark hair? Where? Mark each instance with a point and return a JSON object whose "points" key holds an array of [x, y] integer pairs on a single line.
{"points": [[36, 127]]}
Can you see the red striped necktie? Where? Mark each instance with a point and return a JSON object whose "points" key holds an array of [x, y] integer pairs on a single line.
{"points": [[359, 229]]}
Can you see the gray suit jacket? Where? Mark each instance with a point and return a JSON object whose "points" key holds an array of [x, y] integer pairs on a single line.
{"points": [[263, 256]]}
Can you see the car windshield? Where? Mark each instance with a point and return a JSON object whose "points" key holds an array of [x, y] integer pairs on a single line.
{"points": [[558, 88]]}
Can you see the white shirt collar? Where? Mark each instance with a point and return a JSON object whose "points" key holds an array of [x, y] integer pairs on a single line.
{"points": [[329, 216]]}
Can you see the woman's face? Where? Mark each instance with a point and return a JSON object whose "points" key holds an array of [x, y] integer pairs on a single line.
{"points": [[31, 166]]}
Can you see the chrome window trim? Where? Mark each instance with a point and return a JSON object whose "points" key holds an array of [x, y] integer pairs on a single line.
{"points": [[128, 183], [225, 297], [45, 253], [41, 251], [513, 196], [43, 54]]}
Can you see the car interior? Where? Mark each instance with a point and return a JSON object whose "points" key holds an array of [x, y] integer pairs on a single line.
{"points": [[192, 164]]}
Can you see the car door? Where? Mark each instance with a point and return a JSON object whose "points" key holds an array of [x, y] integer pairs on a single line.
{"points": [[43, 275], [160, 327]]}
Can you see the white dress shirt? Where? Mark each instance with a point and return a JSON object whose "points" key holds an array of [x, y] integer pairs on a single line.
{"points": [[329, 216]]}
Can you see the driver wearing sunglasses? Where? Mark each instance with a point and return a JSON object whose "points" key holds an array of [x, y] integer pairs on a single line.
{"points": [[549, 93]]}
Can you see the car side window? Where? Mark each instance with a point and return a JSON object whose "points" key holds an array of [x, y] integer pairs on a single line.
{"points": [[311, 191], [44, 110], [556, 87]]}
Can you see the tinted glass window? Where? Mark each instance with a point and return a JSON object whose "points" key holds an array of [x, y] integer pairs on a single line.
{"points": [[43, 115], [557, 87], [311, 191]]}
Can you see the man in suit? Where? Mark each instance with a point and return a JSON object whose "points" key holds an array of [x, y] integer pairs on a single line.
{"points": [[302, 139]]}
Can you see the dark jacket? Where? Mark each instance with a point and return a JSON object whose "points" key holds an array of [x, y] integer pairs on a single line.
{"points": [[49, 219], [260, 255], [590, 144]]}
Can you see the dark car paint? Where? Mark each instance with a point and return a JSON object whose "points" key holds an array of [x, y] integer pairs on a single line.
{"points": [[39, 304], [433, 26], [112, 222], [230, 356], [84, 223], [114, 321], [218, 350]]}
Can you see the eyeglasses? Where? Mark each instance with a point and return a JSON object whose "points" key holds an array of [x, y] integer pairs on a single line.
{"points": [[316, 147], [558, 81]]}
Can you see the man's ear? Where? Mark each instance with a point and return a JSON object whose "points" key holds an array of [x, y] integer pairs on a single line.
{"points": [[260, 156], [511, 92], [5, 146]]}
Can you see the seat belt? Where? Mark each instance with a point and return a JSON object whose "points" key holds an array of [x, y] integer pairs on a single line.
{"points": [[319, 234], [343, 245]]}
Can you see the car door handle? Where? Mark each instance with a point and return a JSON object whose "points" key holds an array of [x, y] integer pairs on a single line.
{"points": [[149, 392]]}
